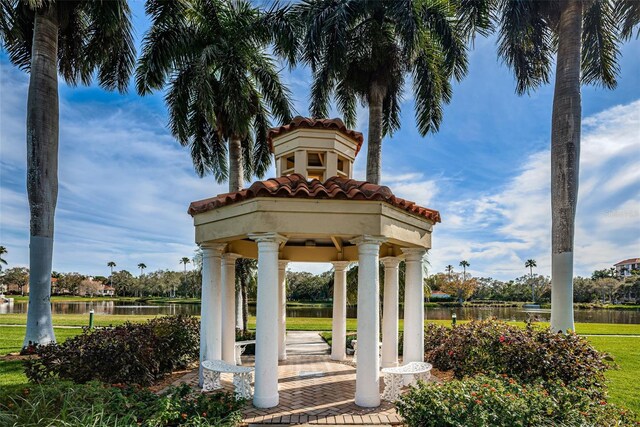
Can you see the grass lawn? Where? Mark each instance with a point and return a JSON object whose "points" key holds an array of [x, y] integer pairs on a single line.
{"points": [[623, 382]]}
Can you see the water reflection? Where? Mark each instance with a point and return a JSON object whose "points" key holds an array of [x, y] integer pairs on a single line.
{"points": [[465, 313]]}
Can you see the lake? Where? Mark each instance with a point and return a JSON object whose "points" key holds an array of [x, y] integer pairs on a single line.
{"points": [[443, 313]]}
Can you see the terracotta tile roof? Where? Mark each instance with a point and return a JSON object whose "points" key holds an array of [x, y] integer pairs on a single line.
{"points": [[296, 186], [305, 122], [629, 261]]}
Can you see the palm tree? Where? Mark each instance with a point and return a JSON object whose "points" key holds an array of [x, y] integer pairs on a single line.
{"points": [[141, 266], [111, 265], [449, 270], [222, 87], [584, 36], [3, 261], [75, 40], [362, 50], [185, 260], [223, 84], [530, 263], [464, 264]]}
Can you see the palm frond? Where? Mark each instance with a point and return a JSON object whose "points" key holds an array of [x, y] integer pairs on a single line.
{"points": [[431, 90], [110, 46], [628, 17], [525, 43], [600, 45], [17, 32], [261, 152], [164, 45]]}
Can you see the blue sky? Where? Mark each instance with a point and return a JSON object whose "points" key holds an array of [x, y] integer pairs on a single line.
{"points": [[125, 184]]}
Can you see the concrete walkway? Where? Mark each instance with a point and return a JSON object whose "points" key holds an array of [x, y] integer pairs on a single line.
{"points": [[308, 343]]}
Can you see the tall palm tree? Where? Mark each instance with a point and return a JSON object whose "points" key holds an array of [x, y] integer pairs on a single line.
{"points": [[3, 261], [362, 50], [141, 266], [464, 264], [111, 265], [530, 263], [75, 40], [584, 37], [449, 270], [223, 84], [185, 260]]}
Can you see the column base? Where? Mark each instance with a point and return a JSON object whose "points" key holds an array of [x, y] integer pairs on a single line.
{"points": [[266, 401], [368, 401], [338, 357]]}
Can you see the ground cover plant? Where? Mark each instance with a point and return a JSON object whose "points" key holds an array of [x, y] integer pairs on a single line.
{"points": [[100, 405], [494, 347], [133, 353], [503, 401]]}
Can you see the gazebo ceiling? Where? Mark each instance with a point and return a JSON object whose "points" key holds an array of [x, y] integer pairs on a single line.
{"points": [[318, 219]]}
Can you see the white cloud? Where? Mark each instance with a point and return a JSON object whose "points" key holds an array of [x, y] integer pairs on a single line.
{"points": [[498, 231]]}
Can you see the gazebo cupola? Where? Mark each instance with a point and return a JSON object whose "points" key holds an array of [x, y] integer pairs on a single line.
{"points": [[315, 148]]}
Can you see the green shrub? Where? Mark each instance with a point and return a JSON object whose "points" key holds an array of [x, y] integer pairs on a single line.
{"points": [[100, 405], [135, 353], [501, 401], [528, 355]]}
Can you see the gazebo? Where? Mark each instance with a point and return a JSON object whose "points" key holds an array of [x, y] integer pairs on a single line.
{"points": [[314, 212]]}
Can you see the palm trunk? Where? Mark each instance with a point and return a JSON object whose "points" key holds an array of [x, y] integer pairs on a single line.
{"points": [[565, 159], [374, 141], [245, 308], [236, 182], [239, 307], [236, 172], [42, 173]]}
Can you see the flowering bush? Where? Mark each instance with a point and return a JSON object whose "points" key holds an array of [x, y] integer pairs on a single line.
{"points": [[135, 353], [528, 355], [100, 405], [502, 401]]}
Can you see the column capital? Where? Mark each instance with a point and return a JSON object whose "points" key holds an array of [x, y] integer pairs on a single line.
{"points": [[267, 237], [282, 264], [340, 265], [390, 261], [212, 249], [414, 254], [368, 239], [230, 258]]}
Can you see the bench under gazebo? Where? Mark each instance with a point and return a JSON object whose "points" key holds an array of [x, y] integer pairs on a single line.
{"points": [[314, 212]]}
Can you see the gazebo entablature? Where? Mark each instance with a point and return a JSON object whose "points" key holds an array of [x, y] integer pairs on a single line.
{"points": [[316, 231]]}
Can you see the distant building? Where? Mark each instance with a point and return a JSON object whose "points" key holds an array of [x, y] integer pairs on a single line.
{"points": [[107, 291], [439, 294], [624, 268]]}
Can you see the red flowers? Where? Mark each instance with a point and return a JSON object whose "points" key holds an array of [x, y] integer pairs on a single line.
{"points": [[502, 338], [450, 353]]}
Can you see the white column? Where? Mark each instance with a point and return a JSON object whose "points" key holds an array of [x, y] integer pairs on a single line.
{"points": [[339, 320], [266, 369], [282, 309], [390, 313], [413, 343], [210, 305], [229, 307], [368, 366]]}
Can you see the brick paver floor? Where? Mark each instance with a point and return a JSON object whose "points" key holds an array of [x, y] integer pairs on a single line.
{"points": [[326, 398], [323, 399]]}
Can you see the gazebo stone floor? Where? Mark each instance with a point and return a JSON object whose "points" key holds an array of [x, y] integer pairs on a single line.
{"points": [[313, 390]]}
